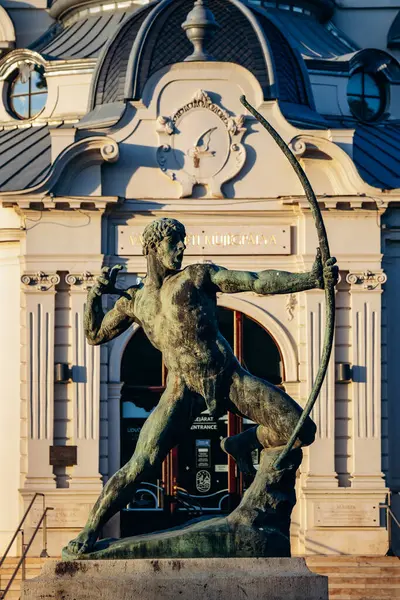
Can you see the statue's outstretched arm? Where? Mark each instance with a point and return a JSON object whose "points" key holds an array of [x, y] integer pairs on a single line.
{"points": [[272, 281], [102, 327]]}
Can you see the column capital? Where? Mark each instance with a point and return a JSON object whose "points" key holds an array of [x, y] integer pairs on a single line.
{"points": [[81, 281], [39, 281], [366, 280]]}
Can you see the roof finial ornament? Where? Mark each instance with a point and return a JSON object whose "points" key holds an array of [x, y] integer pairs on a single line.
{"points": [[199, 26]]}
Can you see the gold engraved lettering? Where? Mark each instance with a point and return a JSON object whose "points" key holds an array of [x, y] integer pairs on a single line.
{"points": [[235, 238], [219, 239], [135, 240]]}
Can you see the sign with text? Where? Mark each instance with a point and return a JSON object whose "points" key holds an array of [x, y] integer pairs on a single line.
{"points": [[346, 514], [210, 240]]}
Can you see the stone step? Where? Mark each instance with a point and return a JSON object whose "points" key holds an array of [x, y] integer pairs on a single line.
{"points": [[362, 593], [33, 568], [359, 577], [355, 572], [361, 581], [351, 560]]}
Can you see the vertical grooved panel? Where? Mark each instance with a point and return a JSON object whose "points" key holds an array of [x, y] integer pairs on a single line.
{"points": [[39, 369], [30, 375]]}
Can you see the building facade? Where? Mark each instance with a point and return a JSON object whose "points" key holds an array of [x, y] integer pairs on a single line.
{"points": [[104, 125]]}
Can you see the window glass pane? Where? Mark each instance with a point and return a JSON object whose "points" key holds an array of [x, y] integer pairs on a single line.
{"points": [[356, 104], [371, 107], [366, 96], [371, 88], [19, 87], [364, 108], [28, 93], [355, 84], [39, 83], [20, 105], [37, 103]]}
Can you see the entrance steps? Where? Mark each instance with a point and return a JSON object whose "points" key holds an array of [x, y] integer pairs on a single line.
{"points": [[350, 577], [359, 577], [33, 568]]}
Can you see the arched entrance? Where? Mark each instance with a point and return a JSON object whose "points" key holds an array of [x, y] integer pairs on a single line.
{"points": [[197, 478]]}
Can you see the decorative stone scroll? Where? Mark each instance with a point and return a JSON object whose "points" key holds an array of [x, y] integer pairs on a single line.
{"points": [[201, 148], [368, 280], [83, 281], [40, 281]]}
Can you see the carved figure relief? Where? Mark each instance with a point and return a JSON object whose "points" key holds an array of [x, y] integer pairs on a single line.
{"points": [[201, 144]]}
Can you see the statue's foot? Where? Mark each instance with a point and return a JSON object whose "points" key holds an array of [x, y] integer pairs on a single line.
{"points": [[233, 446], [83, 543]]}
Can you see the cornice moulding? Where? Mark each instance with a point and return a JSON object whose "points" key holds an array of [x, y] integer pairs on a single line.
{"points": [[11, 235], [52, 68]]}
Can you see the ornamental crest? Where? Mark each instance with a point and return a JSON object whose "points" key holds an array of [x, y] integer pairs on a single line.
{"points": [[201, 144]]}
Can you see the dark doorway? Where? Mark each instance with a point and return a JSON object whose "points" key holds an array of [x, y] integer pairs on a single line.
{"points": [[197, 478]]}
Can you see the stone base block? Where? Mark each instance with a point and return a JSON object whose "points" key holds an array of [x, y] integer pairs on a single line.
{"points": [[170, 579]]}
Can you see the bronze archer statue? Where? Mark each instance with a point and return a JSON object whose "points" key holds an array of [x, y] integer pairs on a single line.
{"points": [[177, 310]]}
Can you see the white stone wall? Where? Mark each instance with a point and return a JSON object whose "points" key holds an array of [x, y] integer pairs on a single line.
{"points": [[11, 424]]}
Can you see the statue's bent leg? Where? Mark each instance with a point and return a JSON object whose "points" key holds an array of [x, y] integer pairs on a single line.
{"points": [[275, 412], [267, 504], [162, 430], [273, 409]]}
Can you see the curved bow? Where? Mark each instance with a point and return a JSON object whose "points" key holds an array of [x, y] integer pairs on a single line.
{"points": [[329, 289]]}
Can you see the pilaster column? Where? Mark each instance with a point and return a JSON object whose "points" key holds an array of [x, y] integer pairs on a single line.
{"points": [[114, 427], [38, 295], [85, 391], [320, 466], [365, 293]]}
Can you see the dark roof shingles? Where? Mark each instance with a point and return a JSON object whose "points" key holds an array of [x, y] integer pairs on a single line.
{"points": [[25, 157], [376, 153]]}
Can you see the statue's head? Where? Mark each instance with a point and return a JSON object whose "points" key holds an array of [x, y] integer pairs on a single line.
{"points": [[166, 239]]}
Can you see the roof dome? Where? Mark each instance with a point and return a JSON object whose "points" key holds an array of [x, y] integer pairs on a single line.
{"points": [[152, 38]]}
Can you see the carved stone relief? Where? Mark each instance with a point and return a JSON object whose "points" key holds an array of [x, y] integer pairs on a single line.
{"points": [[83, 281], [291, 302], [41, 281], [201, 144], [368, 280]]}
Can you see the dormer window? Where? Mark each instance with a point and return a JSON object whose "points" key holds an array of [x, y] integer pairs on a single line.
{"points": [[28, 91], [366, 94]]}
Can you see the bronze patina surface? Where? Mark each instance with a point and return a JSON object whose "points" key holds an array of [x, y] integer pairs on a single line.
{"points": [[177, 309]]}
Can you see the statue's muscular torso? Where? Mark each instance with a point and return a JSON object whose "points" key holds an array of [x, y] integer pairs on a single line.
{"points": [[180, 319]]}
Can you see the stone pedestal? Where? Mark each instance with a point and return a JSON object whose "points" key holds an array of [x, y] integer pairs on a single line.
{"points": [[186, 579]]}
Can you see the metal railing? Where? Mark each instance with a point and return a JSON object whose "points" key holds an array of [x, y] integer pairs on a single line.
{"points": [[26, 547], [390, 518]]}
